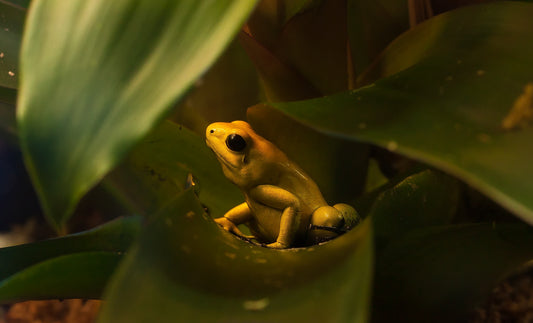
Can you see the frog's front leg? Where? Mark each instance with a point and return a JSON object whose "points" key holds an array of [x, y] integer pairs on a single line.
{"points": [[280, 199], [237, 215]]}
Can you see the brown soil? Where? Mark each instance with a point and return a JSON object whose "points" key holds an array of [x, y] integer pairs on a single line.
{"points": [[53, 311], [510, 302]]}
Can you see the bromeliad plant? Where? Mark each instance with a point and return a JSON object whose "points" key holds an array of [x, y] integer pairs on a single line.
{"points": [[340, 82]]}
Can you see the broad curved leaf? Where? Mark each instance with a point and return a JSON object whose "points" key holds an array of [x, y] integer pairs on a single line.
{"points": [[79, 275], [77, 265], [451, 107], [114, 69], [189, 269], [115, 236], [441, 274], [428, 198]]}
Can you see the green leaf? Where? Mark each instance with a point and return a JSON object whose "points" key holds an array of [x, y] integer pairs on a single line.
{"points": [[80, 275], [114, 70], [441, 274], [11, 25], [185, 268], [157, 170], [428, 198], [74, 266], [365, 202], [115, 236], [449, 107]]}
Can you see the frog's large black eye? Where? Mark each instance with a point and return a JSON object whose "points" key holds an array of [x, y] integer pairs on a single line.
{"points": [[235, 142]]}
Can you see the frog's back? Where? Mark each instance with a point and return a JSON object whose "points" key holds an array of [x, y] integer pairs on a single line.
{"points": [[296, 181]]}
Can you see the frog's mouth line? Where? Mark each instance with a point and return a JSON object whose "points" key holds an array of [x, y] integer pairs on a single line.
{"points": [[219, 156]]}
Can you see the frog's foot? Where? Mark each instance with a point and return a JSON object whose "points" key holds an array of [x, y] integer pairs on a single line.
{"points": [[227, 225], [248, 238], [277, 245]]}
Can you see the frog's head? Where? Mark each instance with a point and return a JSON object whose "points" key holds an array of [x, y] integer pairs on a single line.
{"points": [[244, 155]]}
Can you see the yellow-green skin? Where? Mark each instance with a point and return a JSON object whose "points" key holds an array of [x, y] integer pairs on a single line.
{"points": [[281, 199]]}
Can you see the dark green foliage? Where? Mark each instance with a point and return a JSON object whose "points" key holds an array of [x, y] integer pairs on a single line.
{"points": [[454, 94]]}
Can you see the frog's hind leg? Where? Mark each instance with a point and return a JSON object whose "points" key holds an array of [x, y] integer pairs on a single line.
{"points": [[328, 222]]}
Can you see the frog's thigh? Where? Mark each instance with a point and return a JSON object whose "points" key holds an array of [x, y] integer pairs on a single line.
{"points": [[239, 214], [274, 197], [279, 198]]}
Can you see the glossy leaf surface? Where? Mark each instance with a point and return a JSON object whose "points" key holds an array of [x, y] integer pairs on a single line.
{"points": [[447, 108], [183, 260], [79, 275], [77, 265], [421, 200], [114, 236], [114, 69], [441, 274]]}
